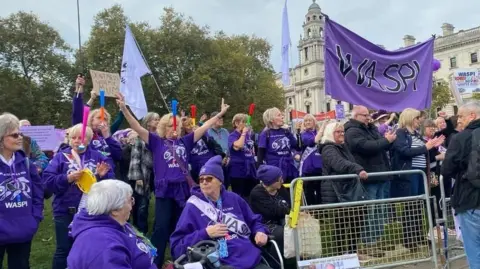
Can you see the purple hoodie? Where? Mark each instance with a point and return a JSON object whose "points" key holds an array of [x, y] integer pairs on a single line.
{"points": [[200, 154], [311, 157], [242, 224], [101, 242], [242, 162], [278, 152], [21, 201], [55, 178], [109, 147], [170, 179]]}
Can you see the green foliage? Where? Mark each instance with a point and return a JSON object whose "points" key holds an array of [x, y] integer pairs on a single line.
{"points": [[441, 96]]}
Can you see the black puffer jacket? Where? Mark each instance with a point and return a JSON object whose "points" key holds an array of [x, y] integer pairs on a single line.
{"points": [[337, 160], [368, 147]]}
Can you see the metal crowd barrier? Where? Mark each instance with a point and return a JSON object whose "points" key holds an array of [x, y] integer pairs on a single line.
{"points": [[452, 247], [382, 233]]}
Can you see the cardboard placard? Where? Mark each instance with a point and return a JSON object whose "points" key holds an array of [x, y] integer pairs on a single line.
{"points": [[109, 82]]}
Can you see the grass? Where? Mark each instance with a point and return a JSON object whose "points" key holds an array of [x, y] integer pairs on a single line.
{"points": [[43, 244]]}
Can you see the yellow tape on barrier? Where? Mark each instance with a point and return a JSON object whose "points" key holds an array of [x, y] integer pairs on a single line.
{"points": [[286, 186], [297, 201]]}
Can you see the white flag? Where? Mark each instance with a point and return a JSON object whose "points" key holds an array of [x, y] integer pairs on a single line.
{"points": [[133, 68]]}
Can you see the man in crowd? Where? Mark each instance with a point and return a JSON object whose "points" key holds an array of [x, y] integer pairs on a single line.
{"points": [[462, 163], [370, 151]]}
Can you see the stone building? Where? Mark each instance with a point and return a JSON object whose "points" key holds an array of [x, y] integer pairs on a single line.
{"points": [[306, 90]]}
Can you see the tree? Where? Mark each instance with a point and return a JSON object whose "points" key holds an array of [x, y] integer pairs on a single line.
{"points": [[34, 69], [441, 96]]}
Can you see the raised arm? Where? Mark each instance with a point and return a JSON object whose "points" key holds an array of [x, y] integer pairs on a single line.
{"points": [[134, 124], [209, 123], [77, 103]]}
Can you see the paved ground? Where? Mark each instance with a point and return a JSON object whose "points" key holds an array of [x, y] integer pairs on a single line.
{"points": [[460, 264]]}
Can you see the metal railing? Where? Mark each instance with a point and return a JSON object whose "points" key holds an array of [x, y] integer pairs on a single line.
{"points": [[382, 233]]}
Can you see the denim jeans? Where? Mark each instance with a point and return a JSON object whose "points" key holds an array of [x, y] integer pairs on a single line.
{"points": [[167, 213], [417, 186], [18, 255], [140, 212], [470, 227], [376, 214], [64, 242]]}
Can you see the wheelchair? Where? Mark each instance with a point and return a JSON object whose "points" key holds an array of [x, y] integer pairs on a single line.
{"points": [[199, 254]]}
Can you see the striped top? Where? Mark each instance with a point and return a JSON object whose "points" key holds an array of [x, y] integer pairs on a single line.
{"points": [[418, 161]]}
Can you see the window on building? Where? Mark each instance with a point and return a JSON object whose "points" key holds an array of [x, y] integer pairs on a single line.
{"points": [[306, 54], [350, 107], [305, 71], [307, 93], [453, 62], [473, 58], [309, 32], [339, 102], [307, 107], [455, 110], [314, 17], [328, 107], [308, 18], [289, 101]]}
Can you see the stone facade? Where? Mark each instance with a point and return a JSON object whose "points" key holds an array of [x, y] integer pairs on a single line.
{"points": [[306, 90]]}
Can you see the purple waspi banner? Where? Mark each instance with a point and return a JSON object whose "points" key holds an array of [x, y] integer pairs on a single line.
{"points": [[362, 73]]}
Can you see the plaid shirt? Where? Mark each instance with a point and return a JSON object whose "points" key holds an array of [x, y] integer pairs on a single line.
{"points": [[141, 166]]}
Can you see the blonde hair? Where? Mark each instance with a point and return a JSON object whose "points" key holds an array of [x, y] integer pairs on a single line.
{"points": [[269, 115], [165, 120], [8, 123], [329, 131], [306, 117], [407, 116], [240, 117], [92, 115], [77, 130]]}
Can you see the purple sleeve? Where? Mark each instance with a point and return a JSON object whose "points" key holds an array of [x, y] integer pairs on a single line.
{"points": [[115, 149], [186, 234], [153, 141], [254, 221], [54, 179], [232, 138], [116, 255], [382, 129], [308, 139], [293, 141], [77, 111], [262, 140], [188, 141], [37, 194], [111, 173]]}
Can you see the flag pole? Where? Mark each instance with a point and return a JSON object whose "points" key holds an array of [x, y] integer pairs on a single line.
{"points": [[80, 54], [151, 74]]}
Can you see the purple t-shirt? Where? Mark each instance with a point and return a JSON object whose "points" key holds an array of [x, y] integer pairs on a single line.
{"points": [[242, 162], [169, 168], [278, 152], [200, 154]]}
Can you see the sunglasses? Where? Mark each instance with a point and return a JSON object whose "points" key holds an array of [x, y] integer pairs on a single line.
{"points": [[15, 135], [207, 179]]}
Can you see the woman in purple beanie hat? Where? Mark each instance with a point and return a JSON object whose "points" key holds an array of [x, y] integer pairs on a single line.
{"points": [[271, 200]]}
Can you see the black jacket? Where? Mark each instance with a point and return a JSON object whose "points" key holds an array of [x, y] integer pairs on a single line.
{"points": [[402, 152], [368, 147], [272, 208], [466, 193], [337, 160]]}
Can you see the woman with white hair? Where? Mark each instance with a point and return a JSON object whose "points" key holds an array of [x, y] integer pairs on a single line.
{"points": [[275, 144], [60, 178], [21, 196], [172, 179], [103, 238], [337, 160]]}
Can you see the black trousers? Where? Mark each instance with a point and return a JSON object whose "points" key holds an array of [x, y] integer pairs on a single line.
{"points": [[18, 255]]}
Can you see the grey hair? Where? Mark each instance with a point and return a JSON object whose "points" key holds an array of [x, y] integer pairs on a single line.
{"points": [[269, 115], [329, 130], [8, 123], [472, 106], [107, 195], [149, 117], [24, 122]]}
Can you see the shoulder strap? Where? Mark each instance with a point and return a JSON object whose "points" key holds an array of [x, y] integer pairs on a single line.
{"points": [[181, 164]]}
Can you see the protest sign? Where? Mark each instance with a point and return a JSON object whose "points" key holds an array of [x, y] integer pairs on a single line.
{"points": [[340, 111], [45, 135], [467, 80], [110, 82], [347, 261]]}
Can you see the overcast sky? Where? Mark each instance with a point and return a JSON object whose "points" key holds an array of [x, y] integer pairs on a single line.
{"points": [[380, 21]]}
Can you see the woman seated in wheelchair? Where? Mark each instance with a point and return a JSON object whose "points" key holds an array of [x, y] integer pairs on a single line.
{"points": [[213, 213]]}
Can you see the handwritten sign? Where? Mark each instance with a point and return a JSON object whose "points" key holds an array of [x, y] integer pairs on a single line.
{"points": [[348, 261], [110, 82], [45, 135]]}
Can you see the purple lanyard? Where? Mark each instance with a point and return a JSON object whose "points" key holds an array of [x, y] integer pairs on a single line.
{"points": [[13, 173]]}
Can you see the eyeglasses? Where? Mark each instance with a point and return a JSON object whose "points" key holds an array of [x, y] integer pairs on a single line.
{"points": [[207, 179], [15, 135]]}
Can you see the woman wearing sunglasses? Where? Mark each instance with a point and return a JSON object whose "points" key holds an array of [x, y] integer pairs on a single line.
{"points": [[213, 213], [171, 154], [60, 178], [21, 196]]}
